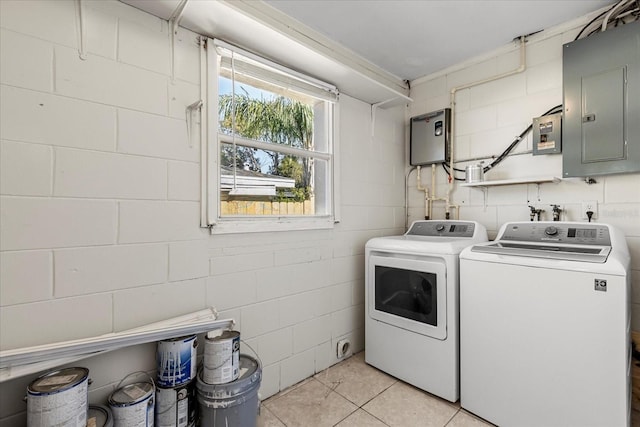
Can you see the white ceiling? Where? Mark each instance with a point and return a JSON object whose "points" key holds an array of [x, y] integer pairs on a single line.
{"points": [[393, 40], [411, 38]]}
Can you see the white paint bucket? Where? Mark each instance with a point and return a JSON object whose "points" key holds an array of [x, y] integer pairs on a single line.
{"points": [[133, 405], [99, 416], [233, 404], [59, 398], [176, 406], [221, 358], [176, 360]]}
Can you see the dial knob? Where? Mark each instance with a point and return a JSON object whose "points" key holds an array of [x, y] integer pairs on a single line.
{"points": [[551, 231], [439, 227]]}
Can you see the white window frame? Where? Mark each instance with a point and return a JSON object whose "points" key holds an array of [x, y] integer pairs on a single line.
{"points": [[210, 154]]}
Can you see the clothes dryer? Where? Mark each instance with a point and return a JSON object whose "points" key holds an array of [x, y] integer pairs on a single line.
{"points": [[411, 320], [544, 320]]}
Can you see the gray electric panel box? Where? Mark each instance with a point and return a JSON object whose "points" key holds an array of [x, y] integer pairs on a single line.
{"points": [[547, 134], [601, 98], [430, 138]]}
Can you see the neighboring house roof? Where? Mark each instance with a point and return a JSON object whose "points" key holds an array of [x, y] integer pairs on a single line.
{"points": [[252, 183]]}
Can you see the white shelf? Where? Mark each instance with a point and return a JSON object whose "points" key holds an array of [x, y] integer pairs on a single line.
{"points": [[515, 181]]}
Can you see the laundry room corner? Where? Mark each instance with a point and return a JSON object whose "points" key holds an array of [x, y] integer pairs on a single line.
{"points": [[489, 117]]}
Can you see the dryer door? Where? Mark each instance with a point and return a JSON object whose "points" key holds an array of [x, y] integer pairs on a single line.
{"points": [[408, 293]]}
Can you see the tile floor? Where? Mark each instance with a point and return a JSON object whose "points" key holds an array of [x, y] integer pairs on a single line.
{"points": [[354, 394]]}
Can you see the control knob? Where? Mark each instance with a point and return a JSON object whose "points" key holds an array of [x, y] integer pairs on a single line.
{"points": [[440, 227], [551, 231]]}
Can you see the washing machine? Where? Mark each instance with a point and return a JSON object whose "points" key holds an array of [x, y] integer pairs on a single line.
{"points": [[411, 293], [544, 321]]}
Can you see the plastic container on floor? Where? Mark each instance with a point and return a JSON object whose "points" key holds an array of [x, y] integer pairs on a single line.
{"points": [[232, 404]]}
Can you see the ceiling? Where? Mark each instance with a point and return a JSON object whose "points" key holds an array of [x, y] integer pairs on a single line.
{"points": [[412, 39], [370, 48]]}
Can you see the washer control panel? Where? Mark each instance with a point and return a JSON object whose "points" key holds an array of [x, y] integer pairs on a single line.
{"points": [[442, 228], [587, 234]]}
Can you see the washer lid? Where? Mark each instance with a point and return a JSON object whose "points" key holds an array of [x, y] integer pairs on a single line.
{"points": [[553, 240], [597, 254]]}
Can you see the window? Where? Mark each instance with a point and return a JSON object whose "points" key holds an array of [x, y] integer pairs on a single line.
{"points": [[270, 152]]}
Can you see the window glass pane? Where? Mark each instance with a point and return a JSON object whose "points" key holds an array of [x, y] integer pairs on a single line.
{"points": [[264, 115], [259, 181], [265, 182]]}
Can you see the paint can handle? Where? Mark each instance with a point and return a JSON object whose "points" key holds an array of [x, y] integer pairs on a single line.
{"points": [[253, 351], [149, 377]]}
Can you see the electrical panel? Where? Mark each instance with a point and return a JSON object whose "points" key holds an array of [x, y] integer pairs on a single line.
{"points": [[601, 98], [547, 134], [430, 138]]}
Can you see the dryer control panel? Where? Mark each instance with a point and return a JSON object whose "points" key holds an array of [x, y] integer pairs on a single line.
{"points": [[442, 229]]}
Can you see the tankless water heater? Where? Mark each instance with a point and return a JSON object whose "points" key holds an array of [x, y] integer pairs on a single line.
{"points": [[430, 138]]}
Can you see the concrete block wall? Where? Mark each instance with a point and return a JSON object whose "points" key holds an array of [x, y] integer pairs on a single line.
{"points": [[488, 118], [100, 204]]}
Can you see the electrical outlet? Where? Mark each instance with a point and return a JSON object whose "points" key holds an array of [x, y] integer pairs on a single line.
{"points": [[589, 205]]}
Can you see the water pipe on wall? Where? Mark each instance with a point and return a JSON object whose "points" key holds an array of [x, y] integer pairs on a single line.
{"points": [[82, 30], [433, 197], [520, 69], [427, 208]]}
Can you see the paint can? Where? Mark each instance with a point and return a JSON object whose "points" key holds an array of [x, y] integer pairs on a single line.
{"points": [[133, 405], [235, 403], [59, 398], [99, 416], [221, 358], [176, 406], [176, 361]]}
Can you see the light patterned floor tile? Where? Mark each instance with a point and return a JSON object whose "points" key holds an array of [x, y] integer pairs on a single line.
{"points": [[267, 419], [465, 419], [355, 380], [288, 389], [361, 418], [402, 405], [311, 404]]}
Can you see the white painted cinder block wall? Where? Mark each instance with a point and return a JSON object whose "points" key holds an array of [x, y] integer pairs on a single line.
{"points": [[488, 118], [100, 206]]}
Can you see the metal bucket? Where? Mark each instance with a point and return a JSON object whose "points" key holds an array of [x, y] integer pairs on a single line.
{"points": [[133, 405], [221, 358], [233, 404], [176, 360], [474, 173], [176, 406], [59, 398], [99, 416]]}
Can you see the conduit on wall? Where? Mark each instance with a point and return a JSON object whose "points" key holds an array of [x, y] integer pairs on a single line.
{"points": [[82, 31], [28, 360], [447, 198]]}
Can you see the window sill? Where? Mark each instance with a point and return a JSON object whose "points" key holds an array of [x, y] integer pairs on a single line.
{"points": [[262, 225]]}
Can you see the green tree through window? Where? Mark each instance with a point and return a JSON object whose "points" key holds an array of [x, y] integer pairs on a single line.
{"points": [[277, 120]]}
